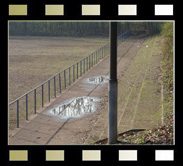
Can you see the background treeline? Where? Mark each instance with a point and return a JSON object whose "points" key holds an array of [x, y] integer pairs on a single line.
{"points": [[77, 28]]}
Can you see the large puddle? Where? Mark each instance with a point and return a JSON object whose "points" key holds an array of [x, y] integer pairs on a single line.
{"points": [[98, 79], [75, 108]]}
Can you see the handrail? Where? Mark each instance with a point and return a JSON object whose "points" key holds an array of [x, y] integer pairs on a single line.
{"points": [[75, 64], [61, 72]]}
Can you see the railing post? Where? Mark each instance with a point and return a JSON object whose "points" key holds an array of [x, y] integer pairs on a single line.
{"points": [[73, 73], [35, 101], [92, 60], [54, 87], [106, 50], [60, 83], [97, 57], [94, 54], [89, 62], [49, 90], [43, 95], [65, 83], [98, 54], [77, 70], [26, 106], [17, 113], [84, 65], [69, 75], [80, 68], [93, 57], [102, 52]]}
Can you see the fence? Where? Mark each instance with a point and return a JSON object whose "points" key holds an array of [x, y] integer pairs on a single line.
{"points": [[36, 98]]}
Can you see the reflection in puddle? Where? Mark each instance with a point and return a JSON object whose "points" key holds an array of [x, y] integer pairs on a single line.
{"points": [[75, 107], [99, 79]]}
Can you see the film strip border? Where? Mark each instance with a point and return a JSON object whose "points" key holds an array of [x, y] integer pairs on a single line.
{"points": [[90, 10], [22, 10], [73, 10], [91, 155]]}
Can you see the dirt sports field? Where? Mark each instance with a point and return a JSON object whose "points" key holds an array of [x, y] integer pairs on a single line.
{"points": [[33, 60]]}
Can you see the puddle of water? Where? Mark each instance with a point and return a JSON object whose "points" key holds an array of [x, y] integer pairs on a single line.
{"points": [[98, 79], [75, 108]]}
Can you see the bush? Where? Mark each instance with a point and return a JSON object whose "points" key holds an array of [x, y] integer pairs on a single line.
{"points": [[167, 51], [167, 65]]}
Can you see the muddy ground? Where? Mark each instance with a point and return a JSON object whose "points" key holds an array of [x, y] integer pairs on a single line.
{"points": [[33, 60]]}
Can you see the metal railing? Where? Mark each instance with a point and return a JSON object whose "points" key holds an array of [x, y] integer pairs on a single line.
{"points": [[37, 97]]}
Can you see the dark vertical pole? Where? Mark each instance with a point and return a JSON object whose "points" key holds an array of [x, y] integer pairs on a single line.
{"points": [[95, 54], [80, 68], [92, 60], [96, 58], [89, 61], [69, 75], [65, 83], [102, 52], [17, 113], [84, 65], [60, 83], [26, 106], [113, 84], [54, 87], [99, 53], [49, 90], [73, 73], [35, 101], [77, 70], [43, 95], [106, 49]]}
